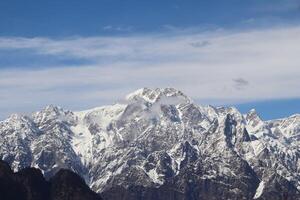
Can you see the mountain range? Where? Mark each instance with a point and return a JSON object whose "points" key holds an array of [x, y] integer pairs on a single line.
{"points": [[159, 144]]}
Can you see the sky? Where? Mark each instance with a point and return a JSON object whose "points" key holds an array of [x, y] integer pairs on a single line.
{"points": [[83, 54]]}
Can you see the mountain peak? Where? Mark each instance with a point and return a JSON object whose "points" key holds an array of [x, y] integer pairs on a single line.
{"points": [[153, 95], [52, 112], [53, 109], [16, 117], [253, 115], [252, 111]]}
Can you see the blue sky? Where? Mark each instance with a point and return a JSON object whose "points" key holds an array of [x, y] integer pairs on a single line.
{"points": [[61, 18], [81, 54]]}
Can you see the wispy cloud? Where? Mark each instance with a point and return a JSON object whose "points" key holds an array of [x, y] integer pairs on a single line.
{"points": [[118, 28], [240, 83], [229, 67], [199, 44]]}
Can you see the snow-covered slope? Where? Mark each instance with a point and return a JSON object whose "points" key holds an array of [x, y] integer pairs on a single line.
{"points": [[160, 137]]}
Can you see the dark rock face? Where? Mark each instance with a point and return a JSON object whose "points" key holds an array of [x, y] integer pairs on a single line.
{"points": [[142, 193], [68, 185], [30, 184], [188, 185], [279, 188], [9, 189], [33, 183]]}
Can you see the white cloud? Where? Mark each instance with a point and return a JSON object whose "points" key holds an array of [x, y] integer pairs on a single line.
{"points": [[118, 28], [267, 61]]}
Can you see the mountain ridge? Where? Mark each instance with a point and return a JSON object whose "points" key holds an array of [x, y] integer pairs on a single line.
{"points": [[158, 138]]}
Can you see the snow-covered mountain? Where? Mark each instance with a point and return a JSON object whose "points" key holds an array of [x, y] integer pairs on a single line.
{"points": [[159, 141]]}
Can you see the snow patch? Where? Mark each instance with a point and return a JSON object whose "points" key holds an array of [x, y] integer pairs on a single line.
{"points": [[259, 190], [154, 176]]}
